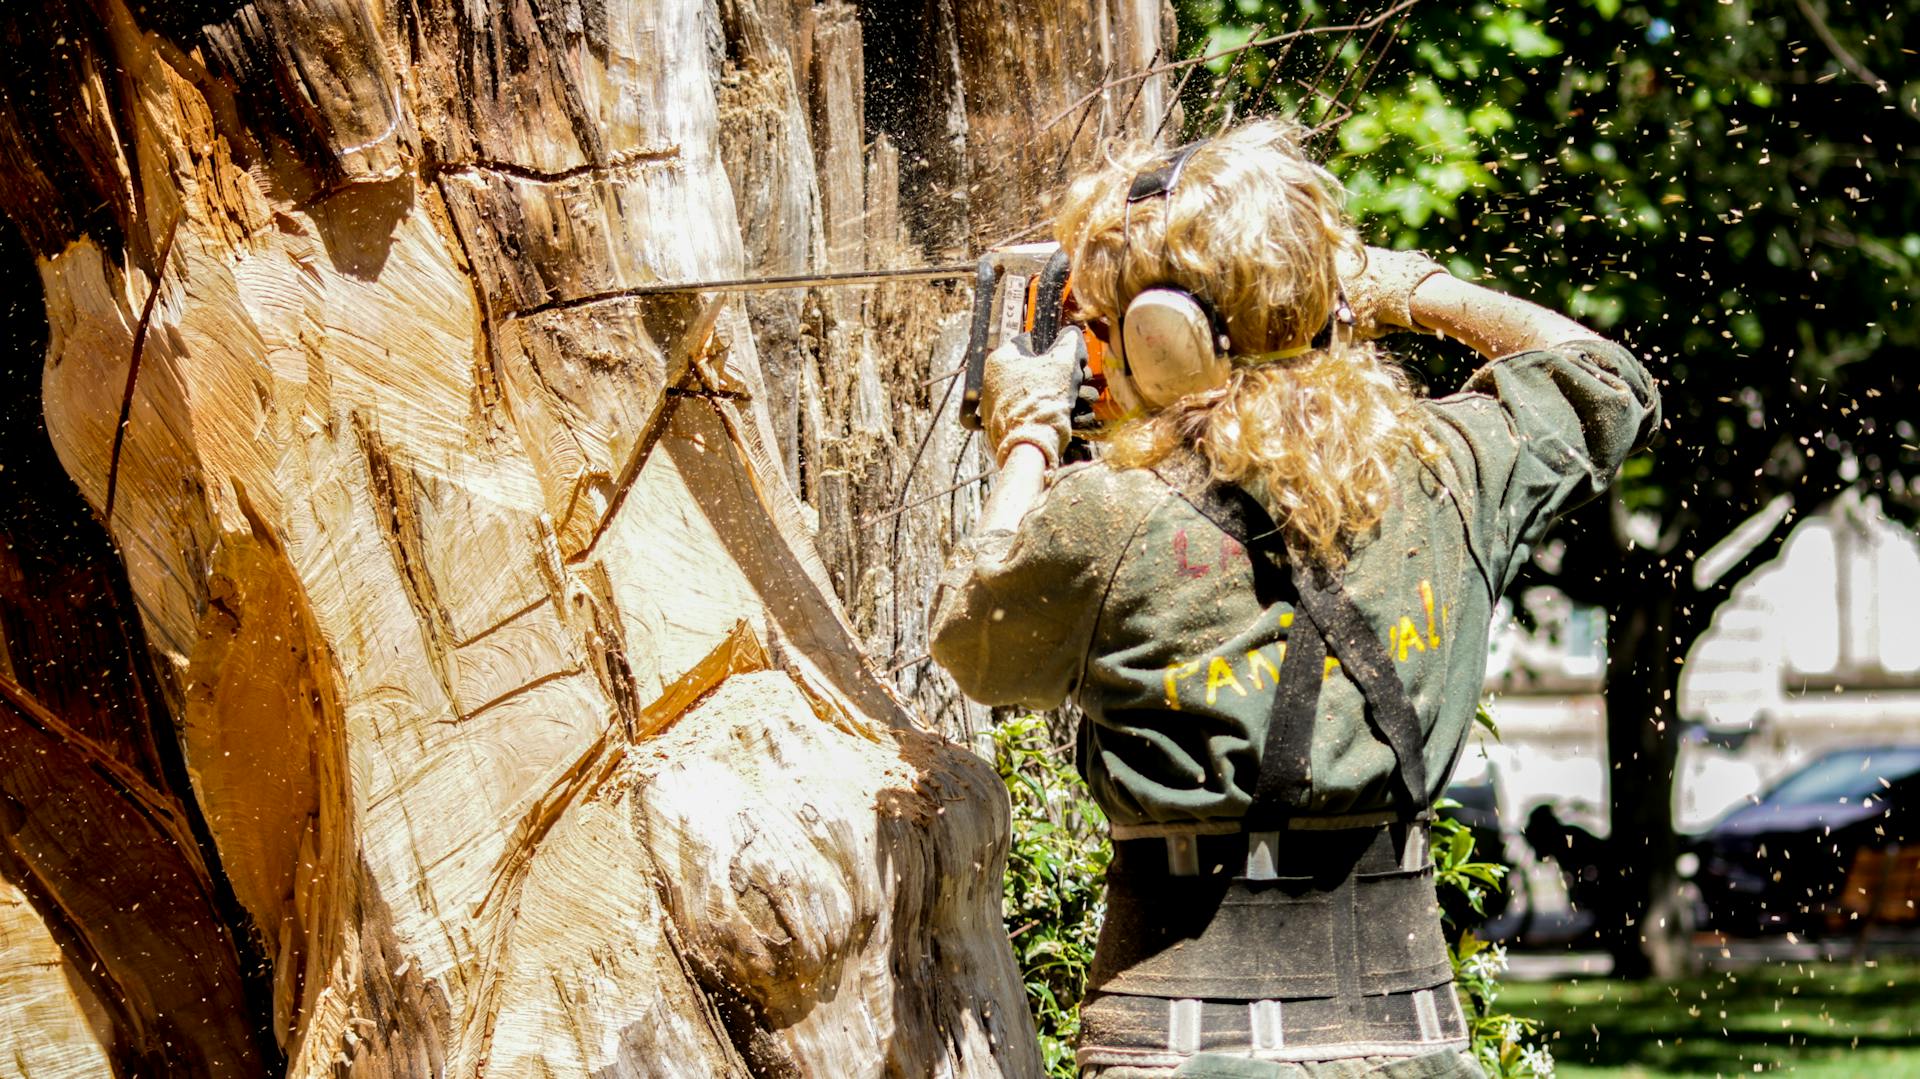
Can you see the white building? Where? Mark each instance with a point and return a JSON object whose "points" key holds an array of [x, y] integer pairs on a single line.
{"points": [[1817, 649]]}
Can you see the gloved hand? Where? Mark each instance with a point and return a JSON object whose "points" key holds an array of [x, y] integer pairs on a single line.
{"points": [[1380, 290], [1028, 397]]}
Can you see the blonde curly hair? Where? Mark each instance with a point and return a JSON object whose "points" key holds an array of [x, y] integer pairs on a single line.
{"points": [[1253, 228]]}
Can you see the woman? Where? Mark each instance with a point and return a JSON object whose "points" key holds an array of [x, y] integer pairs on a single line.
{"points": [[1270, 598]]}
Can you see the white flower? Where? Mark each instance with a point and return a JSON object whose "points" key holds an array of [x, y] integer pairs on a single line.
{"points": [[1487, 963], [1538, 1060]]}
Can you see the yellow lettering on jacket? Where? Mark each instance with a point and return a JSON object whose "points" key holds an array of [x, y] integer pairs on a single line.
{"points": [[1220, 673], [1175, 672], [1409, 637], [1404, 636], [1255, 661], [1426, 598]]}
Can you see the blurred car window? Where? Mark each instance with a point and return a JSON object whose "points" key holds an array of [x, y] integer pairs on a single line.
{"points": [[1848, 774]]}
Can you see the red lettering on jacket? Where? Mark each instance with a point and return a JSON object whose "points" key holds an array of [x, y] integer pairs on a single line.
{"points": [[1180, 553]]}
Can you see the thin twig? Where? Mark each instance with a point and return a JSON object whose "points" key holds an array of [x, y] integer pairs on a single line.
{"points": [[906, 484], [1226, 80], [1173, 105], [1175, 65], [1022, 234], [914, 662], [953, 519], [1313, 85], [1138, 88], [140, 331], [1286, 52], [925, 382], [924, 499], [1260, 43], [1365, 48], [1066, 152], [1848, 60], [1346, 80], [1360, 88]]}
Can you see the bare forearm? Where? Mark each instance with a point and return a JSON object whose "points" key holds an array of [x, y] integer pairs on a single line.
{"points": [[1489, 322]]}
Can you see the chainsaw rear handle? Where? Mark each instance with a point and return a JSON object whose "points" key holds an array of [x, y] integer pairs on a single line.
{"points": [[1043, 318], [985, 283], [1048, 301]]}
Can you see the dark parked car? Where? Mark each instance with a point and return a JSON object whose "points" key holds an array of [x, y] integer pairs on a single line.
{"points": [[1780, 863]]}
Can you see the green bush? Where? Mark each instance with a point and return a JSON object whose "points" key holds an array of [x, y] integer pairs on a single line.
{"points": [[1056, 870], [1056, 880], [1507, 1046]]}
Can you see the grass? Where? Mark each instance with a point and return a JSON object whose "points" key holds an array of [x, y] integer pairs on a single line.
{"points": [[1820, 1020]]}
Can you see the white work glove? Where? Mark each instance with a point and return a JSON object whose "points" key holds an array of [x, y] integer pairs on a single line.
{"points": [[1028, 397], [1379, 288]]}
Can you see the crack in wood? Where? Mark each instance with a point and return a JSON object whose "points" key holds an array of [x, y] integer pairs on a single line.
{"points": [[140, 331], [586, 127], [505, 621], [607, 651], [628, 160], [487, 375], [545, 679], [395, 498], [586, 775], [692, 342]]}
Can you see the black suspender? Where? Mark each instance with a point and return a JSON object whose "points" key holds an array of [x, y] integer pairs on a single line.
{"points": [[1326, 622], [1338, 622]]}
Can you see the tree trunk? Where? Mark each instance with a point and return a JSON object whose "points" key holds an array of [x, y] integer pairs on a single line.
{"points": [[519, 697], [1649, 934]]}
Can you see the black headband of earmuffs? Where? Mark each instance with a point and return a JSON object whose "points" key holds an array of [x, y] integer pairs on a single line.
{"points": [[1153, 183], [1160, 180]]}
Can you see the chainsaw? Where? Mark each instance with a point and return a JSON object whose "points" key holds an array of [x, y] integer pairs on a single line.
{"points": [[1023, 288]]}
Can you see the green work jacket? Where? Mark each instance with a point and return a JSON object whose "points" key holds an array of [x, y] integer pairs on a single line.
{"points": [[1115, 590]]}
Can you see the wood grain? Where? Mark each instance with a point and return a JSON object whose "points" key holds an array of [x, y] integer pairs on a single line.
{"points": [[536, 667]]}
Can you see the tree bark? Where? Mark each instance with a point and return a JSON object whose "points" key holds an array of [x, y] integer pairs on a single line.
{"points": [[526, 657], [1649, 933]]}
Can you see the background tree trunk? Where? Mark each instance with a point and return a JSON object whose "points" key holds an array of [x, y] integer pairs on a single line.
{"points": [[1647, 934], [499, 682]]}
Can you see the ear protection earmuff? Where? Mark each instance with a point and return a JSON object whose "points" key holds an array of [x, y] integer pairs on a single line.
{"points": [[1168, 343], [1168, 347]]}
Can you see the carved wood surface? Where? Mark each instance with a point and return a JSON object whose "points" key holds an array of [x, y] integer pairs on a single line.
{"points": [[533, 654]]}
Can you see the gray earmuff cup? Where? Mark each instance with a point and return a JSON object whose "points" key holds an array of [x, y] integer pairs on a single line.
{"points": [[1168, 350]]}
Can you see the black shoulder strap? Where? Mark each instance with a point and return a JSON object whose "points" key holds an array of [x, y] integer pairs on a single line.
{"points": [[1362, 655], [1326, 622], [1286, 761]]}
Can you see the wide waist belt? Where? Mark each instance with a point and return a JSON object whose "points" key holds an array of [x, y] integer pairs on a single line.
{"points": [[1148, 1031], [1272, 916]]}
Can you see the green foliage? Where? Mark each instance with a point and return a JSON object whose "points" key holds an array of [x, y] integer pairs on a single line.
{"points": [[1717, 184], [1507, 1046], [1056, 878]]}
